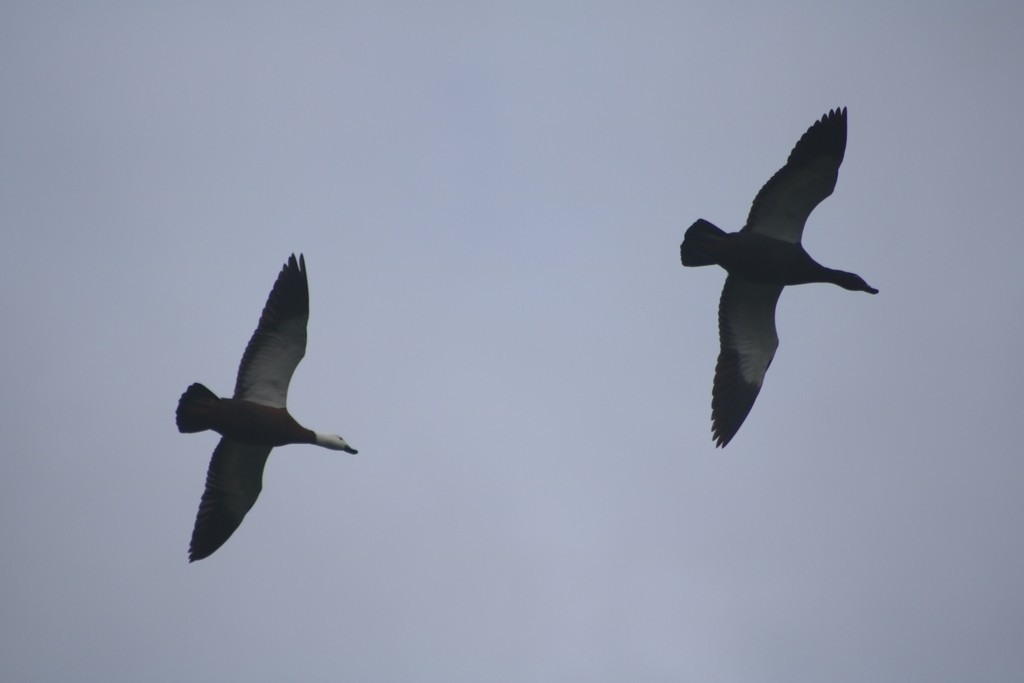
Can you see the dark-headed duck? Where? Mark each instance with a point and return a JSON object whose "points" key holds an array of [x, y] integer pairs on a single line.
{"points": [[256, 418], [761, 259]]}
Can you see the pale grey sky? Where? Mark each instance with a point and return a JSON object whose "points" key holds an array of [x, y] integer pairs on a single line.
{"points": [[490, 198]]}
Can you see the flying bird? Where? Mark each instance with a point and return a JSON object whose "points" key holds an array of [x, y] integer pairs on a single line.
{"points": [[256, 418], [761, 259]]}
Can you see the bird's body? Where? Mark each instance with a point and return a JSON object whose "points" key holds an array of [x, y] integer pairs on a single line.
{"points": [[242, 421], [766, 260], [256, 419], [762, 259]]}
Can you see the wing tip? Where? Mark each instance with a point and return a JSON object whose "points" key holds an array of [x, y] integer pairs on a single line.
{"points": [[198, 550], [723, 431], [826, 136], [296, 264]]}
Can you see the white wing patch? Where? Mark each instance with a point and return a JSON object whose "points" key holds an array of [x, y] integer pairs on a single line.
{"points": [[782, 206], [279, 342], [746, 330], [268, 373], [748, 325]]}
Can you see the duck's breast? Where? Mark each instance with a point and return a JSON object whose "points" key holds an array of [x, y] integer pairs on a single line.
{"points": [[252, 423], [764, 260]]}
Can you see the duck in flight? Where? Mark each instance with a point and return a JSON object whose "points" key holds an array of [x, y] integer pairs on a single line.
{"points": [[256, 419], [761, 259]]}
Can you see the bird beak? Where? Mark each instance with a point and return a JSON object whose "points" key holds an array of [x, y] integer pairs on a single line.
{"points": [[350, 450]]}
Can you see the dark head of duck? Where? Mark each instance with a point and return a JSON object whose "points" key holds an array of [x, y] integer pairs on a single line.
{"points": [[850, 281]]}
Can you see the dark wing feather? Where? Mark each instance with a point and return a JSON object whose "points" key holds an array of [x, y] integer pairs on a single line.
{"points": [[279, 342], [233, 483], [746, 330], [781, 208]]}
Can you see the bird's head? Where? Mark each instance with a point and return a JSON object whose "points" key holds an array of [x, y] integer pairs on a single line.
{"points": [[854, 282], [334, 442]]}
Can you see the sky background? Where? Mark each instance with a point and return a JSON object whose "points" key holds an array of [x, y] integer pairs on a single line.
{"points": [[490, 198]]}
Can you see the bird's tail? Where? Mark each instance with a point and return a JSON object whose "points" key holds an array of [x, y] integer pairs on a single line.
{"points": [[699, 242], [195, 408]]}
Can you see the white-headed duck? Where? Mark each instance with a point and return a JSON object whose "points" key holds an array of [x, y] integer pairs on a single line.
{"points": [[761, 259], [256, 418]]}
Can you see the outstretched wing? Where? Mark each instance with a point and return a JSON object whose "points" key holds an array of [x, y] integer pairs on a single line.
{"points": [[746, 330], [233, 483], [279, 342], [781, 208]]}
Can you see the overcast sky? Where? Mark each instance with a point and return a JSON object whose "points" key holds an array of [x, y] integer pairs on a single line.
{"points": [[490, 198]]}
